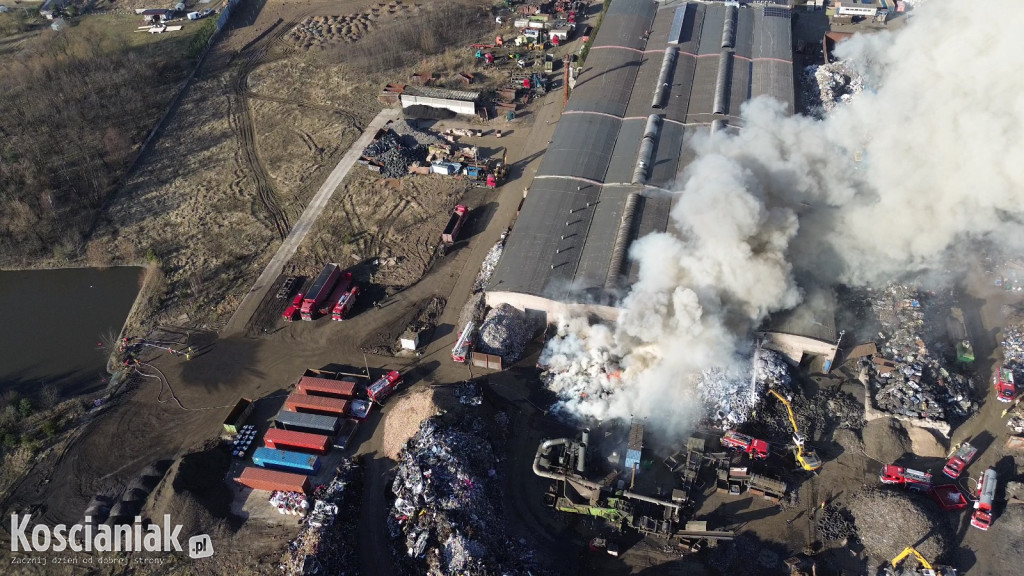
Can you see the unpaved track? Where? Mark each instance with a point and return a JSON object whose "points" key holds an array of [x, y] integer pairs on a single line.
{"points": [[241, 121], [236, 325]]}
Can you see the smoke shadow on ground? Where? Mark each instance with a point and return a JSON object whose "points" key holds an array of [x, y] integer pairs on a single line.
{"points": [[478, 219], [234, 362]]}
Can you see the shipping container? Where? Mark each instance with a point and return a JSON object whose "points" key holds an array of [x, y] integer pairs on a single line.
{"points": [[302, 422], [324, 387], [321, 289], [270, 480], [293, 461], [294, 440], [316, 404], [348, 430]]}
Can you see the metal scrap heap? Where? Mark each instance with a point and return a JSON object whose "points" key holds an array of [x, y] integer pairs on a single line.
{"points": [[324, 546], [912, 379], [392, 156], [446, 513], [1013, 346], [505, 333]]}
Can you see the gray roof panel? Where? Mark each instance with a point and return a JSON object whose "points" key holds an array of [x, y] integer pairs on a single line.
{"points": [[711, 33], [627, 147], [581, 147], [607, 81], [739, 88], [678, 99], [690, 37], [624, 24], [773, 78], [666, 154], [702, 97], [593, 265], [654, 210], [772, 36], [650, 69], [744, 33]]}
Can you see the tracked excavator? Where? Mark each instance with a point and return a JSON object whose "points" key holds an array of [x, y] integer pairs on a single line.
{"points": [[806, 458]]}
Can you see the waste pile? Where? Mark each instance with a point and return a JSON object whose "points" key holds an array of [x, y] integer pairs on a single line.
{"points": [[293, 503], [729, 397], [887, 520], [1013, 346], [326, 546], [487, 268], [504, 332], [817, 417], [322, 29], [413, 135], [834, 523], [393, 157], [916, 382], [446, 518], [240, 445], [469, 393], [771, 370], [837, 84]]}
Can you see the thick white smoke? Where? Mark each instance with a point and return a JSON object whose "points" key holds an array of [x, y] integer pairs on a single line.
{"points": [[882, 187]]}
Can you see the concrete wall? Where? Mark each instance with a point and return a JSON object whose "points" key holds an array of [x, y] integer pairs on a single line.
{"points": [[457, 106], [552, 309]]}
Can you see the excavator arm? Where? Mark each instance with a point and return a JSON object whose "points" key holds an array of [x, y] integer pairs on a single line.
{"points": [[927, 569], [808, 460]]}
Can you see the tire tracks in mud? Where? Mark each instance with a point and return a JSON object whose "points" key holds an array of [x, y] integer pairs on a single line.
{"points": [[242, 122]]}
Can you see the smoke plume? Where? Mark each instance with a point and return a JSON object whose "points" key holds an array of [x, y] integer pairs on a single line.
{"points": [[882, 187]]}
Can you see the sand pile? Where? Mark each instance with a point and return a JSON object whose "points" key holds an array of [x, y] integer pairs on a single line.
{"points": [[886, 440], [193, 492], [403, 421], [888, 521]]}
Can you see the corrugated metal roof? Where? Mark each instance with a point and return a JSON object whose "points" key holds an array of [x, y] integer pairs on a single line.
{"points": [[429, 92], [594, 150]]}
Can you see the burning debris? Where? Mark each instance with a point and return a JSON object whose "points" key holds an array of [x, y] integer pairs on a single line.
{"points": [[728, 396], [323, 545], [909, 378], [504, 332], [445, 511]]}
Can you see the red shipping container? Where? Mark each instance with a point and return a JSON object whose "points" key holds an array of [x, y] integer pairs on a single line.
{"points": [[325, 387], [299, 402], [287, 439], [263, 479]]}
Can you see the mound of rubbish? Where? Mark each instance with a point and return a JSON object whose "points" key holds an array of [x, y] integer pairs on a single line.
{"points": [[325, 546], [193, 492], [446, 517], [887, 521], [504, 332], [1011, 549], [1013, 345], [886, 440], [392, 156]]}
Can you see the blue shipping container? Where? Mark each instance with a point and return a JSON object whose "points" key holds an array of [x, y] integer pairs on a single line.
{"points": [[293, 461]]}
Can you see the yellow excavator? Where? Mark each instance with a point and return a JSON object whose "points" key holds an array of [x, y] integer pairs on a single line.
{"points": [[807, 459], [926, 569]]}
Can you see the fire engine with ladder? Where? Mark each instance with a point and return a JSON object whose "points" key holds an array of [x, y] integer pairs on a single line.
{"points": [[460, 353]]}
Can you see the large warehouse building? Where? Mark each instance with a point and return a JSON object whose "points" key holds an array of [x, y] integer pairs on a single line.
{"points": [[657, 73]]}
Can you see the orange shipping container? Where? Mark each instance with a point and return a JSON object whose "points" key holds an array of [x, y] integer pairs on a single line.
{"points": [[316, 404], [263, 479], [289, 439], [325, 387]]}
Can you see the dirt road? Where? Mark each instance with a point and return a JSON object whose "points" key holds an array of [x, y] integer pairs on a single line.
{"points": [[236, 325]]}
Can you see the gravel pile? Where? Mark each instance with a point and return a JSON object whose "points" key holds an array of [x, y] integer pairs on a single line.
{"points": [[886, 440], [323, 545], [919, 384], [888, 521], [414, 135], [504, 332], [446, 518], [323, 29]]}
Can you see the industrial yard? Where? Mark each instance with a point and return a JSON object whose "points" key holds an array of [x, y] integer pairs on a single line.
{"points": [[493, 308]]}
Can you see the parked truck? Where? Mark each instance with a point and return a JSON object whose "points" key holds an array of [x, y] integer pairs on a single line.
{"points": [[1003, 382], [462, 346], [960, 460], [320, 290], [905, 477], [982, 517], [451, 231], [383, 387], [741, 442], [344, 304]]}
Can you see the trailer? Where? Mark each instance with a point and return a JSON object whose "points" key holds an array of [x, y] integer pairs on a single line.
{"points": [[345, 434], [271, 480], [291, 461], [455, 222], [341, 288], [320, 290], [383, 387], [304, 422], [344, 304], [279, 439], [312, 386], [948, 497], [460, 353], [299, 402], [238, 415]]}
